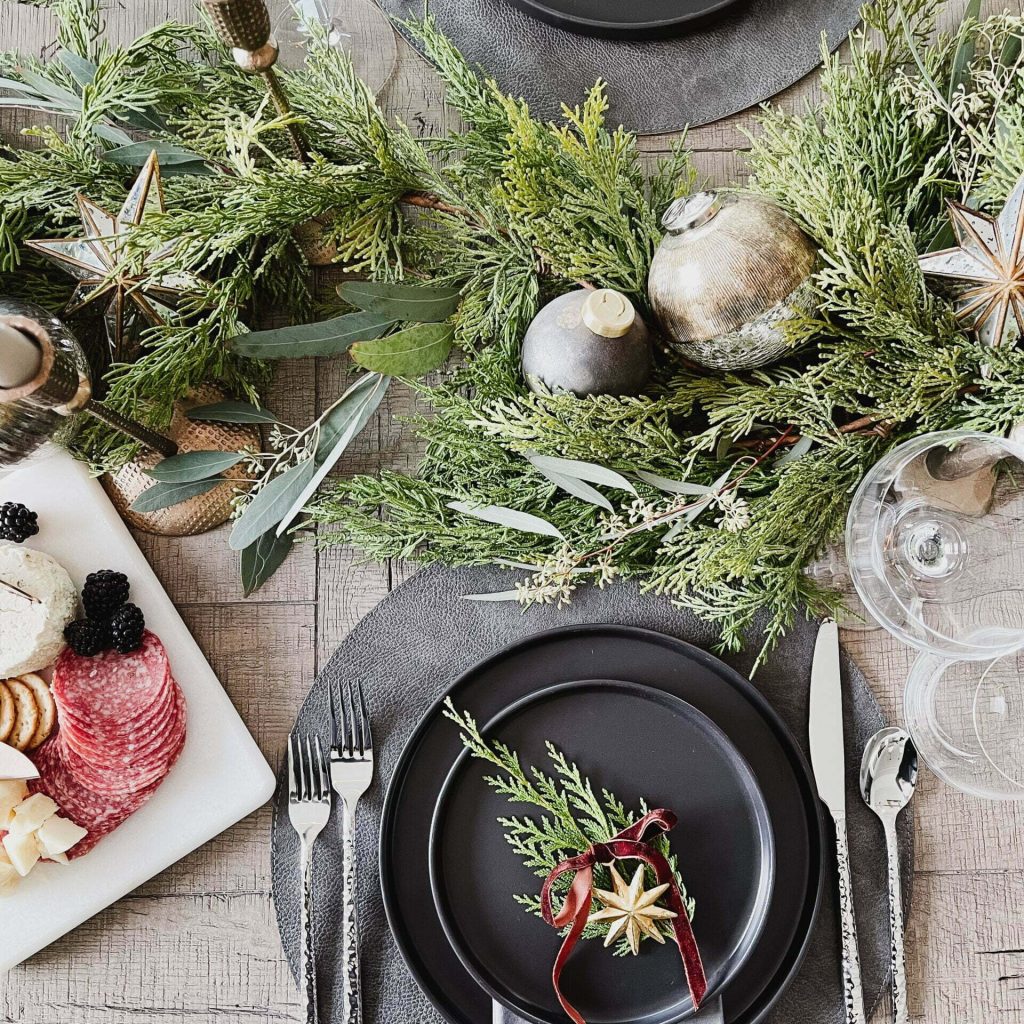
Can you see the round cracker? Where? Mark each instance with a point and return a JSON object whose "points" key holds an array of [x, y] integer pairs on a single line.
{"points": [[28, 714], [8, 712], [45, 703]]}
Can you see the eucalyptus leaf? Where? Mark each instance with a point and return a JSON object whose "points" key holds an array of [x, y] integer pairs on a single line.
{"points": [[270, 503], [579, 489], [189, 466], [163, 495], [343, 421], [169, 155], [44, 87], [965, 50], [581, 471], [110, 133], [663, 483], [82, 69], [509, 517], [497, 595], [1010, 53], [231, 412], [796, 451], [409, 353], [262, 558], [722, 448], [326, 338], [416, 302]]}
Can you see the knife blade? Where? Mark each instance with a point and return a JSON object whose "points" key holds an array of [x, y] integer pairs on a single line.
{"points": [[15, 765], [828, 759]]}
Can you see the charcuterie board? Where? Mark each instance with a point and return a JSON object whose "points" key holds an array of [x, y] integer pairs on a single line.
{"points": [[220, 775]]}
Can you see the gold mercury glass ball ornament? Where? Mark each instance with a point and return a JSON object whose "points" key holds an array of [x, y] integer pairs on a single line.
{"points": [[588, 342], [203, 511], [731, 272]]}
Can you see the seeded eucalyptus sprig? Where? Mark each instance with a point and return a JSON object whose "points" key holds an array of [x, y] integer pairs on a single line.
{"points": [[573, 817]]}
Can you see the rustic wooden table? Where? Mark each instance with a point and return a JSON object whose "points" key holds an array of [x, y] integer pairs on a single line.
{"points": [[199, 943]]}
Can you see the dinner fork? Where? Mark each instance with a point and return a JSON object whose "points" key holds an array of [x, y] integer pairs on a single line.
{"points": [[351, 774], [309, 808]]}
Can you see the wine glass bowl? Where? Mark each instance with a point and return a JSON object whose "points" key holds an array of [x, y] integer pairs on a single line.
{"points": [[935, 544]]}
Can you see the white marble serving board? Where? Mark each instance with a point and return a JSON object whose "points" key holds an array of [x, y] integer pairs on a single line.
{"points": [[221, 775]]}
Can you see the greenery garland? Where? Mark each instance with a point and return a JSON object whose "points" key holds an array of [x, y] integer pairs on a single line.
{"points": [[513, 211]]}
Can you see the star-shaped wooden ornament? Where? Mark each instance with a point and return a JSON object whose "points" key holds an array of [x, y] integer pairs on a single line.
{"points": [[631, 910], [986, 269], [97, 261]]}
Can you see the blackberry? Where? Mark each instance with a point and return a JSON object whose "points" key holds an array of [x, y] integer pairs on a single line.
{"points": [[104, 592], [126, 627], [17, 523], [86, 637]]}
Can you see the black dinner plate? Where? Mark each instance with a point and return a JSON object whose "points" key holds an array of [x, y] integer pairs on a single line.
{"points": [[638, 19], [610, 652], [637, 742]]}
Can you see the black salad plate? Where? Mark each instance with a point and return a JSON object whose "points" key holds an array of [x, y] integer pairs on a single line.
{"points": [[639, 19], [638, 742], [631, 655]]}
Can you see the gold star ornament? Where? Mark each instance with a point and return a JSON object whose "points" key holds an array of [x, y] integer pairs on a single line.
{"points": [[631, 910], [97, 261], [986, 269]]}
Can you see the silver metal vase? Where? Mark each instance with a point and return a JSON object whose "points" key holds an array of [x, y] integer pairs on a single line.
{"points": [[730, 272]]}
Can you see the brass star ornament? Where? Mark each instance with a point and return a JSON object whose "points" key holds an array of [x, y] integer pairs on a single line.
{"points": [[631, 909], [986, 269], [97, 261]]}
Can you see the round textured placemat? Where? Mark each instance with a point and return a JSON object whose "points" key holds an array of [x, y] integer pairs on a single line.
{"points": [[411, 647], [748, 53]]}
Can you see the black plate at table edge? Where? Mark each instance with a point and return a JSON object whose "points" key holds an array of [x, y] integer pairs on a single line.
{"points": [[760, 913], [659, 28], [752, 694]]}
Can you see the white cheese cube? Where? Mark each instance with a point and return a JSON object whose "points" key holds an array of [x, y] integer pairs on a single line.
{"points": [[57, 835], [59, 858], [12, 792], [23, 851], [9, 878], [31, 813]]}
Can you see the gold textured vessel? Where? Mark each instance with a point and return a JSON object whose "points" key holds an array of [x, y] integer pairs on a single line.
{"points": [[731, 270]]}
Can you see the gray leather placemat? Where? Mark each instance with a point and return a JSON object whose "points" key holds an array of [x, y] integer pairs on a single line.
{"points": [[410, 648], [750, 52]]}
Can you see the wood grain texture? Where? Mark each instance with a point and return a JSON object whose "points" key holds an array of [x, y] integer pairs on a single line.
{"points": [[199, 944]]}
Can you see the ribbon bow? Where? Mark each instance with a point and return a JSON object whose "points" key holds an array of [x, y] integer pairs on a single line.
{"points": [[628, 844]]}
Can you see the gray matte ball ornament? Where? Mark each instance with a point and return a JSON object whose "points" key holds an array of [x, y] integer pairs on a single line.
{"points": [[588, 343], [731, 272]]}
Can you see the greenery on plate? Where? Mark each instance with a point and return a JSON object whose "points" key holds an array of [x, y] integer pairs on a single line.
{"points": [[737, 482], [573, 818]]}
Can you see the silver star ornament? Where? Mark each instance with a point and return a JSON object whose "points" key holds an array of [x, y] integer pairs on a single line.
{"points": [[986, 269], [97, 261]]}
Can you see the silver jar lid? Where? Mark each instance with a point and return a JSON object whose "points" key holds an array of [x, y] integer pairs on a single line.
{"points": [[691, 212]]}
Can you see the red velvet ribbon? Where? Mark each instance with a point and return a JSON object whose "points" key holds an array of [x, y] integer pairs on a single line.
{"points": [[628, 844]]}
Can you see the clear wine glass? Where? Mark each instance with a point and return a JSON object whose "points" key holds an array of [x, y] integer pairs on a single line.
{"points": [[935, 544], [357, 27]]}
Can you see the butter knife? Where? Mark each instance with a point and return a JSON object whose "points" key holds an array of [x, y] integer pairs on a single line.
{"points": [[829, 763]]}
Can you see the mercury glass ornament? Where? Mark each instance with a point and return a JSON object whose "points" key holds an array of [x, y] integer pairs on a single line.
{"points": [[731, 272], [588, 342]]}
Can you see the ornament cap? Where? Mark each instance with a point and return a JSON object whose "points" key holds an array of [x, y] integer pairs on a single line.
{"points": [[608, 313], [691, 212]]}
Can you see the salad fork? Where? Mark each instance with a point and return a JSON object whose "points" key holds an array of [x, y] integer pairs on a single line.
{"points": [[309, 808], [351, 774]]}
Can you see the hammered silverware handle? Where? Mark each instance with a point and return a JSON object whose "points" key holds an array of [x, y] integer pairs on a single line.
{"points": [[352, 1004], [899, 960], [307, 960], [853, 992]]}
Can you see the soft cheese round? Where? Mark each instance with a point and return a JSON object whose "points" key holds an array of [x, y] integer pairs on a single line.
{"points": [[32, 632]]}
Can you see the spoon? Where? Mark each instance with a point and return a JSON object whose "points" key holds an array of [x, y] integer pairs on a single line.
{"points": [[888, 778]]}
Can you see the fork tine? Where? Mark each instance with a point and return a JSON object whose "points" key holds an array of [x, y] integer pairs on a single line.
{"points": [[366, 738], [312, 775], [325, 775], [293, 780], [349, 720], [334, 713]]}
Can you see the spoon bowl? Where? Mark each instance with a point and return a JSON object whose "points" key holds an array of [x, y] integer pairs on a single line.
{"points": [[888, 771]]}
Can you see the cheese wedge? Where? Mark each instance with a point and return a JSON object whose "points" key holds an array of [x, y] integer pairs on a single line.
{"points": [[57, 835], [31, 813], [12, 792], [23, 851], [9, 877]]}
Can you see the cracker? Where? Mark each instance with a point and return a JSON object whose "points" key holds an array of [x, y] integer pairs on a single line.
{"points": [[28, 714], [45, 703], [8, 712]]}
